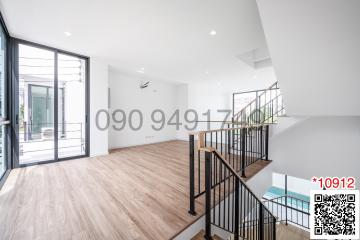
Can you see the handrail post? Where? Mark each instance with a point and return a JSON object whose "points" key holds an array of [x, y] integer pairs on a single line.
{"points": [[286, 201], [208, 195], [243, 151], [237, 210], [261, 221], [192, 174], [257, 109], [229, 139], [267, 142], [25, 131], [274, 228], [261, 142]]}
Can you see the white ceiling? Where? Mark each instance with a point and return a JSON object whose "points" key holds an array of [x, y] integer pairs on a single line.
{"points": [[168, 38]]}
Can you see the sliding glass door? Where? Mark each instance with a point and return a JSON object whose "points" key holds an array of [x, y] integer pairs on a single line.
{"points": [[71, 106], [52, 105], [36, 104]]}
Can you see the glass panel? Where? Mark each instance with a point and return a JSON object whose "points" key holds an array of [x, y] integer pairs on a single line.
{"points": [[2, 74], [3, 152], [36, 104], [3, 103], [71, 105]]}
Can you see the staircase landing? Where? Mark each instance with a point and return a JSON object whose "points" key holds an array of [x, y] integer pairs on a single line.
{"points": [[200, 236], [286, 232]]}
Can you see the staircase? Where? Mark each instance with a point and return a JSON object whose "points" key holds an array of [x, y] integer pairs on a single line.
{"points": [[218, 171], [265, 108], [218, 175], [283, 232], [231, 205], [286, 232]]}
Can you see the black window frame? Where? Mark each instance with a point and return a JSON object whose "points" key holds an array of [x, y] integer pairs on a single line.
{"points": [[8, 109], [12, 110], [15, 99]]}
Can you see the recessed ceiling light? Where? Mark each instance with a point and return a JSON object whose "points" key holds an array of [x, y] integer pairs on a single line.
{"points": [[254, 77], [141, 70], [206, 72], [68, 34], [212, 33]]}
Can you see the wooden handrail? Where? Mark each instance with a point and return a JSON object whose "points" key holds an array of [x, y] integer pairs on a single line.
{"points": [[201, 134], [228, 129]]}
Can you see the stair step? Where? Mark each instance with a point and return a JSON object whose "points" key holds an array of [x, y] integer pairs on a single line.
{"points": [[200, 236]]}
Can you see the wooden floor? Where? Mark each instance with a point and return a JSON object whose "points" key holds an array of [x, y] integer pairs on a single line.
{"points": [[133, 193]]}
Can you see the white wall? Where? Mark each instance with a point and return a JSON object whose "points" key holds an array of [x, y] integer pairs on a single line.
{"points": [[98, 100], [182, 104], [318, 146], [168, 96], [315, 50], [261, 181], [127, 95], [202, 96], [205, 95]]}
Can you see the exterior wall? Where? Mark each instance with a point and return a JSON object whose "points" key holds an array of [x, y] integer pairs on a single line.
{"points": [[74, 109]]}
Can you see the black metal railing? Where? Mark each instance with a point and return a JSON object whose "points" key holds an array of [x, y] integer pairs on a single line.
{"points": [[234, 149], [266, 107], [288, 208], [240, 147], [34, 137], [231, 205]]}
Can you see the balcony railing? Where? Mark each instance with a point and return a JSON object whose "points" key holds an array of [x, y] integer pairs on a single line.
{"points": [[37, 141]]}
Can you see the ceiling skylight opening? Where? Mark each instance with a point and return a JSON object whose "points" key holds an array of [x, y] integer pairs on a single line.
{"points": [[141, 70]]}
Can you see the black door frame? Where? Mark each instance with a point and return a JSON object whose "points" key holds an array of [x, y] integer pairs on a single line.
{"points": [[15, 99]]}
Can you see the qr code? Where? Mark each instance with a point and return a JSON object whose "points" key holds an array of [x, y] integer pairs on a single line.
{"points": [[334, 214]]}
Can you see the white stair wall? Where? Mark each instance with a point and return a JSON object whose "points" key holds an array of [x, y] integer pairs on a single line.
{"points": [[314, 47], [284, 123], [318, 146]]}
